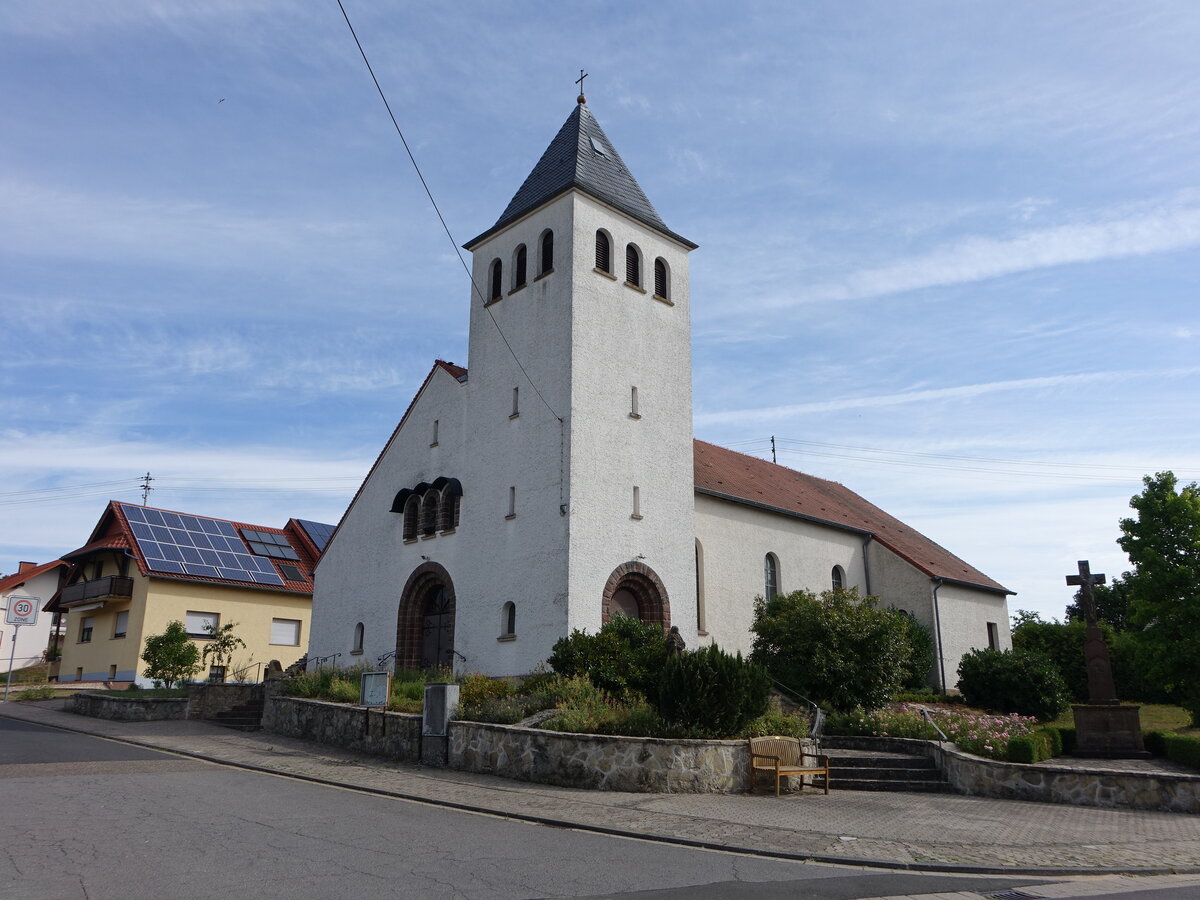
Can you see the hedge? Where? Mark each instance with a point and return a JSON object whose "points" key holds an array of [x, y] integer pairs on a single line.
{"points": [[1183, 749], [1046, 742]]}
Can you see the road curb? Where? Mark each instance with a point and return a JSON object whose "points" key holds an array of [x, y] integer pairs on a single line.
{"points": [[947, 868]]}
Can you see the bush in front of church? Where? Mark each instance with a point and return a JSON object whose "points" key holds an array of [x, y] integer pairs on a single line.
{"points": [[839, 650], [1013, 681], [624, 658], [709, 693]]}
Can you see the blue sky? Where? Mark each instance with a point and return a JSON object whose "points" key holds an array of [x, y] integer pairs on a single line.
{"points": [[948, 251]]}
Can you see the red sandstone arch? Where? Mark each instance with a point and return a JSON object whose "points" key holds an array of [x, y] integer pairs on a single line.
{"points": [[647, 588], [411, 620]]}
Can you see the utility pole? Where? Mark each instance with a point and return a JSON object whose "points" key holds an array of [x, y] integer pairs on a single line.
{"points": [[773, 459], [146, 489]]}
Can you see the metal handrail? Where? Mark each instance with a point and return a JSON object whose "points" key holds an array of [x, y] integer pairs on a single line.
{"points": [[818, 724], [383, 659], [925, 714], [317, 661], [234, 675]]}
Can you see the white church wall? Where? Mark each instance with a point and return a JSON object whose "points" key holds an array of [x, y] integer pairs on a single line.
{"points": [[965, 613], [736, 539], [363, 571], [623, 338]]}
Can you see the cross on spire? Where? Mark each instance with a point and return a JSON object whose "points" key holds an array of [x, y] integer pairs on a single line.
{"points": [[579, 81]]}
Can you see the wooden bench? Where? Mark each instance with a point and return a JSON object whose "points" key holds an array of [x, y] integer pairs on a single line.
{"points": [[784, 756]]}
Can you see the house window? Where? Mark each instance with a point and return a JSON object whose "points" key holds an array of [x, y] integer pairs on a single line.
{"points": [[285, 632], [85, 629], [216, 674], [508, 620], [512, 503], [358, 638], [633, 404], [200, 624], [633, 266], [412, 512], [291, 573], [993, 636], [660, 279], [519, 268], [771, 575], [497, 280], [701, 618], [450, 505], [838, 577], [121, 625], [79, 673], [603, 254], [546, 264]]}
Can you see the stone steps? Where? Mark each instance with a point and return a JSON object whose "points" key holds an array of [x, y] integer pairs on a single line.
{"points": [[866, 770], [243, 717]]}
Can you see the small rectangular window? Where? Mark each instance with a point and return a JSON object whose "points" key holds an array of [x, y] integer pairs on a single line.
{"points": [[285, 632], [291, 573], [516, 407], [633, 404], [112, 673], [121, 626], [637, 503], [85, 629], [512, 503], [993, 636], [434, 442], [200, 624]]}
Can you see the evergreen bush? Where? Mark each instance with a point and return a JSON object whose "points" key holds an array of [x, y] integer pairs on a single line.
{"points": [[712, 694], [624, 658], [1012, 681]]}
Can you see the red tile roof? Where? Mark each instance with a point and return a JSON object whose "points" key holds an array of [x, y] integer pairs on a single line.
{"points": [[743, 478], [19, 578]]}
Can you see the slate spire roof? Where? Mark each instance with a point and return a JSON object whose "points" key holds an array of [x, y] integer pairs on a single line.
{"points": [[581, 156]]}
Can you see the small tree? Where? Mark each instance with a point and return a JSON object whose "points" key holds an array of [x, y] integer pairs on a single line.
{"points": [[222, 645], [1012, 681], [171, 656], [839, 649], [624, 656], [711, 693]]}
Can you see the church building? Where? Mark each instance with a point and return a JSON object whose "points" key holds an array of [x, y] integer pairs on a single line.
{"points": [[556, 482]]}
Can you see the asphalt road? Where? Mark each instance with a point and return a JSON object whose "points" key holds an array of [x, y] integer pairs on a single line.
{"points": [[83, 817]]}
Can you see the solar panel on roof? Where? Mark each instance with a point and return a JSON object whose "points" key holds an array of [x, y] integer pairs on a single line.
{"points": [[191, 545], [318, 532]]}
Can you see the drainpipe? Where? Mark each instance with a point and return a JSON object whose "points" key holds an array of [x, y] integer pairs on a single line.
{"points": [[867, 564], [937, 630]]}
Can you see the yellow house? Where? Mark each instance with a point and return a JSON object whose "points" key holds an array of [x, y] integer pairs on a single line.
{"points": [[144, 567]]}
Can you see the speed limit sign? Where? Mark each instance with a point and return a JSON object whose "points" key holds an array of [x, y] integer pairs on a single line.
{"points": [[22, 611]]}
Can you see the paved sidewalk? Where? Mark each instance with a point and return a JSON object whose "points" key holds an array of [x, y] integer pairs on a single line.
{"points": [[929, 832]]}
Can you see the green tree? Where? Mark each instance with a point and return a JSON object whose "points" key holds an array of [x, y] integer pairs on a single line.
{"points": [[1112, 604], [1163, 544], [839, 649], [625, 657], [171, 656], [224, 642], [1062, 644]]}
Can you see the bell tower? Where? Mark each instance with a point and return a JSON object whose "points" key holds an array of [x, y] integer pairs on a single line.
{"points": [[580, 400]]}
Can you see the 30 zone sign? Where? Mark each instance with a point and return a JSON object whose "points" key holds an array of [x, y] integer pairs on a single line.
{"points": [[22, 611]]}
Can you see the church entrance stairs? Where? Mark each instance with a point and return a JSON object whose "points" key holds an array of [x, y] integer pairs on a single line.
{"points": [[873, 770]]}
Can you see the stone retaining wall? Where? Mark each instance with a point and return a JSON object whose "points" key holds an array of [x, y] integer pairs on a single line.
{"points": [[129, 709], [206, 700], [1045, 782], [371, 731]]}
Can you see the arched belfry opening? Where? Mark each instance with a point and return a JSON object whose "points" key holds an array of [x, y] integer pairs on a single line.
{"points": [[634, 589], [425, 625]]}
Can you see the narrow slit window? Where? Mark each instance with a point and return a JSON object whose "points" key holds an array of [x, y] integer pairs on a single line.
{"points": [[660, 279], [993, 636], [508, 619], [516, 406], [637, 502], [358, 638], [497, 279], [633, 266], [770, 575], [634, 413], [547, 253], [603, 260], [434, 441], [512, 502], [519, 268]]}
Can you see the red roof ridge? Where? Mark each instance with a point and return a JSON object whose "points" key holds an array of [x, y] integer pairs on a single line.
{"points": [[16, 579]]}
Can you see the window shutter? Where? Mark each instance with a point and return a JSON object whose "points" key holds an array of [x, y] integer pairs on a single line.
{"points": [[122, 625], [602, 260], [633, 272], [200, 623], [660, 279], [285, 631]]}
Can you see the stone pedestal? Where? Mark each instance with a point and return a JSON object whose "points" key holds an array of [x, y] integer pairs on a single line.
{"points": [[1108, 731], [441, 705]]}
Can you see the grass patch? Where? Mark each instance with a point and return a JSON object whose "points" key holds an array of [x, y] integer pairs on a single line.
{"points": [[36, 674], [1154, 717]]}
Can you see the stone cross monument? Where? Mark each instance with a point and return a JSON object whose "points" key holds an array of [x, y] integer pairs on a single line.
{"points": [[1103, 727]]}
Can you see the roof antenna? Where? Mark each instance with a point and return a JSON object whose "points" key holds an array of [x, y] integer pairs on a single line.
{"points": [[146, 489], [579, 81]]}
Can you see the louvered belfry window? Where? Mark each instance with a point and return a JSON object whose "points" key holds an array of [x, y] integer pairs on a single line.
{"points": [[519, 275], [660, 279], [497, 276], [602, 260], [633, 266], [547, 253]]}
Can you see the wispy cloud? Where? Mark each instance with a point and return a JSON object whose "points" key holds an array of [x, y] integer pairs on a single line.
{"points": [[958, 392]]}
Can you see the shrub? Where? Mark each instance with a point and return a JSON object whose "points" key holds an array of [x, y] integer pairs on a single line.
{"points": [[1183, 749], [838, 649], [920, 664], [474, 688], [928, 697], [773, 722], [624, 658], [709, 693], [982, 735], [337, 685], [1012, 681], [1155, 743], [170, 656], [1035, 747], [36, 693]]}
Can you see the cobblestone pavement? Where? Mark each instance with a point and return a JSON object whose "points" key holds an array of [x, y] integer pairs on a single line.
{"points": [[919, 831]]}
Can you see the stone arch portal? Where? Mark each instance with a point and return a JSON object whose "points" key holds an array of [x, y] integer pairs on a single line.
{"points": [[425, 624], [635, 588]]}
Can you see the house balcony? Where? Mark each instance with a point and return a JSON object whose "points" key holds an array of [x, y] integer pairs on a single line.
{"points": [[110, 587]]}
